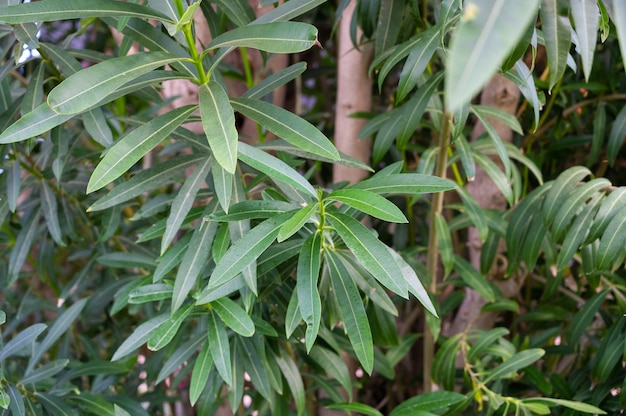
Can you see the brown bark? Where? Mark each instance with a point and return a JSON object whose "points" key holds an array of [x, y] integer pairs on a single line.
{"points": [[354, 94], [504, 95]]}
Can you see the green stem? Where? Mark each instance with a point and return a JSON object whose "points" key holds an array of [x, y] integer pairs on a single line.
{"points": [[433, 246], [195, 56]]}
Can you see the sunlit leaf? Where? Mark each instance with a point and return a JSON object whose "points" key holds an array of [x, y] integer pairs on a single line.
{"points": [[276, 37], [369, 203], [218, 122], [557, 33]]}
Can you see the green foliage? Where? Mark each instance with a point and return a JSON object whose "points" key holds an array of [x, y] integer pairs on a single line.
{"points": [[147, 260]]}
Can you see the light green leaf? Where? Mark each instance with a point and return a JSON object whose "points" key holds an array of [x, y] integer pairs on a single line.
{"points": [[238, 11], [194, 260], [486, 339], [277, 37], [253, 209], [96, 125], [168, 329], [577, 233], [23, 339], [587, 20], [481, 113], [416, 288], [578, 406], [234, 316], [411, 112], [293, 317], [388, 27], [405, 183], [611, 205], [5, 400], [474, 279], [419, 57], [427, 402], [150, 293], [146, 180], [50, 213], [497, 176], [35, 123], [52, 10], [81, 90], [284, 124], [288, 10], [619, 19], [275, 168], [139, 336], [359, 408], [369, 203], [223, 184], [220, 347], [612, 241], [59, 328], [352, 312], [370, 251], [296, 222], [525, 81], [309, 301], [487, 33], [516, 362], [616, 137], [200, 374], [132, 147], [445, 244], [557, 33], [183, 201], [119, 411], [474, 212], [273, 81], [13, 182], [218, 122]]}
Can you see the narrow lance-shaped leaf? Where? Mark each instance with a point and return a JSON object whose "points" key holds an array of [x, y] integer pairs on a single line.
{"points": [[296, 222], [584, 316], [617, 135], [369, 203], [587, 20], [51, 10], [220, 347], [309, 301], [612, 241], [83, 89], [50, 212], [218, 122], [183, 201], [370, 252], [474, 279], [200, 374], [557, 32], [292, 128], [132, 147], [294, 379], [353, 314], [234, 316], [417, 60], [387, 28], [488, 31], [278, 79], [13, 184], [619, 19], [223, 184], [277, 37], [516, 362], [23, 244], [38, 121], [405, 183], [21, 340]]}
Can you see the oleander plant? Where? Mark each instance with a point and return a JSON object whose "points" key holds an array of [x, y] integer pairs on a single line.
{"points": [[177, 237]]}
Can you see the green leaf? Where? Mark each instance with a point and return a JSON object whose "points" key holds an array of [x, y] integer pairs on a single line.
{"points": [[168, 329], [53, 404], [150, 293], [416, 288], [445, 244], [180, 355], [222, 183], [293, 317], [427, 402], [516, 362], [220, 347], [253, 209], [422, 51], [360, 408], [411, 112], [557, 33], [610, 353], [522, 77], [612, 241], [58, 329], [474, 279], [194, 260], [13, 182], [352, 312], [284, 124], [584, 316], [498, 177], [44, 372], [277, 37], [38, 121], [369, 203], [139, 336], [5, 400], [485, 340], [96, 125], [274, 81], [296, 222], [405, 183], [611, 205], [332, 364], [124, 260], [254, 365], [52, 10], [81, 90], [146, 180], [288, 10], [234, 316], [23, 339], [93, 404], [50, 213], [578, 406], [239, 12], [309, 301], [370, 251], [599, 128], [487, 33], [387, 27], [23, 244], [274, 168], [481, 113], [467, 159], [616, 137], [132, 147], [200, 374], [183, 202], [218, 122], [443, 371], [294, 380], [586, 19], [474, 212]]}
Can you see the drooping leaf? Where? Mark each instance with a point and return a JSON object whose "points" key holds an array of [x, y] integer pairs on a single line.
{"points": [[292, 375], [581, 321], [83, 89], [200, 374], [619, 19], [617, 136], [50, 212], [352, 312], [220, 347], [23, 244], [276, 37], [309, 302], [474, 279], [557, 33], [21, 340], [369, 203], [488, 31], [38, 121], [218, 122], [284, 124], [516, 362], [288, 11], [387, 27], [418, 59], [360, 408], [132, 147], [586, 19], [570, 404], [612, 241], [234, 316], [139, 336]]}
